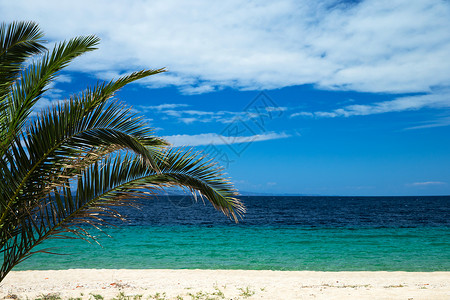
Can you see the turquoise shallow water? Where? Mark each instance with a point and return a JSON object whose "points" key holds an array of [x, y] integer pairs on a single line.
{"points": [[277, 233], [255, 247]]}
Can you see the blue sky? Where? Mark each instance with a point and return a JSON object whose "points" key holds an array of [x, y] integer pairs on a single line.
{"points": [[298, 97]]}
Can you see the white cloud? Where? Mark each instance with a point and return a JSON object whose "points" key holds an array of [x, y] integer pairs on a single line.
{"points": [[188, 120], [216, 139], [224, 117], [200, 112], [371, 46], [190, 115], [63, 78], [428, 183], [172, 113], [274, 109], [198, 89], [162, 106], [302, 113], [44, 103], [440, 99], [440, 122]]}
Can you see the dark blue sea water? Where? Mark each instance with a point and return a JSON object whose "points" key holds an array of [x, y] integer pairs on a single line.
{"points": [[277, 233]]}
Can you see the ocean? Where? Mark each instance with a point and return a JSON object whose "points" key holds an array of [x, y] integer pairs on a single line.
{"points": [[277, 233]]}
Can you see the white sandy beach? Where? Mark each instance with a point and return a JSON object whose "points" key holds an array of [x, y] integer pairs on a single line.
{"points": [[226, 284]]}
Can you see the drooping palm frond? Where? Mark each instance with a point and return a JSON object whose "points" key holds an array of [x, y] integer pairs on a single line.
{"points": [[60, 133], [108, 183], [113, 181], [198, 173], [60, 137], [77, 160]]}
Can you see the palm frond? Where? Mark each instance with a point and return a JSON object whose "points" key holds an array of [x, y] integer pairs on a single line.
{"points": [[63, 134], [18, 42], [25, 93], [76, 161], [104, 91], [115, 180]]}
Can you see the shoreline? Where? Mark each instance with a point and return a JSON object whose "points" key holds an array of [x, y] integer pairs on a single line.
{"points": [[225, 284]]}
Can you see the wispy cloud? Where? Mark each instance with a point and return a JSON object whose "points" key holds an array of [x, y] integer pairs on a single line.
{"points": [[427, 183], [63, 78], [189, 116], [440, 99], [201, 89], [302, 114], [217, 139], [372, 46], [53, 95], [440, 122], [275, 109], [164, 106]]}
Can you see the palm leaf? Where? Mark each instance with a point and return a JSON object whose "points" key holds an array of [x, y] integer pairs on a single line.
{"points": [[18, 42], [114, 181], [25, 93], [79, 159]]}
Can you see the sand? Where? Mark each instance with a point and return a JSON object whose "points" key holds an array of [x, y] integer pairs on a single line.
{"points": [[225, 284]]}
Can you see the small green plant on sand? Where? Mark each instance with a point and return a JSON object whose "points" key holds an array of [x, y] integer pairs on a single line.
{"points": [[159, 296], [202, 296], [122, 296], [218, 292], [51, 296], [247, 292], [96, 296], [394, 286]]}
